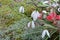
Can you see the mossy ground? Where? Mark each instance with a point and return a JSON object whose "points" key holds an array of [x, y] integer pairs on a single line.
{"points": [[9, 11]]}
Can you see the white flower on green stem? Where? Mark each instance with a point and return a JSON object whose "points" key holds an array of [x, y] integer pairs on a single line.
{"points": [[44, 16], [45, 2], [35, 14], [44, 11], [32, 24], [21, 9], [45, 32], [55, 4]]}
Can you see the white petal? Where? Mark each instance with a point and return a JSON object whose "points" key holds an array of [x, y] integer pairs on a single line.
{"points": [[43, 34], [35, 14], [38, 14], [29, 24], [21, 9], [33, 25], [48, 33], [44, 11], [55, 4], [34, 18], [45, 2]]}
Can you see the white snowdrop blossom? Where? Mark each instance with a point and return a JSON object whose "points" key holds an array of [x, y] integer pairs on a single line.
{"points": [[55, 4], [21, 9], [45, 2], [45, 32], [58, 9], [44, 16], [32, 24], [35, 14], [44, 11]]}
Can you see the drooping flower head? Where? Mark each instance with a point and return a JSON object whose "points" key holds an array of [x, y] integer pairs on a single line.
{"points": [[21, 9], [44, 14], [44, 11], [32, 24], [35, 14], [55, 4], [45, 32]]}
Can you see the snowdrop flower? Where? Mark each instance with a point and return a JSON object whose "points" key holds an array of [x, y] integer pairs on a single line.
{"points": [[45, 2], [44, 11], [21, 9], [44, 16], [44, 33], [55, 4], [59, 9], [35, 14], [32, 24]]}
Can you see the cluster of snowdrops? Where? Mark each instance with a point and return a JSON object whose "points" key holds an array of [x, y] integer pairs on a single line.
{"points": [[52, 17]]}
